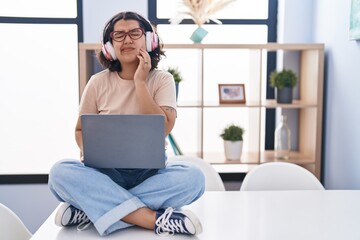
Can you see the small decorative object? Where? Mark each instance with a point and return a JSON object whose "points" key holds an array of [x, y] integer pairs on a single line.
{"points": [[233, 141], [283, 82], [232, 93], [201, 12], [177, 77], [198, 35], [282, 139]]}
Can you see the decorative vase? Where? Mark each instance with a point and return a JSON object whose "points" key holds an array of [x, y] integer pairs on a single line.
{"points": [[198, 35], [284, 95], [233, 150], [282, 139]]}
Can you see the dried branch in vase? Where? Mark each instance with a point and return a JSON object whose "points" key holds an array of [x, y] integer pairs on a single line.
{"points": [[201, 11]]}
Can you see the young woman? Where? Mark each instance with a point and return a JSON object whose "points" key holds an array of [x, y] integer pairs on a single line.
{"points": [[114, 199]]}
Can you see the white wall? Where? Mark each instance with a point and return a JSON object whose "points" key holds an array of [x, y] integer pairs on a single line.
{"points": [[97, 13], [327, 21], [342, 111], [295, 21]]}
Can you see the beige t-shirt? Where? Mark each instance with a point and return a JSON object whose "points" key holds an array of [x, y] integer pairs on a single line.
{"points": [[107, 93]]}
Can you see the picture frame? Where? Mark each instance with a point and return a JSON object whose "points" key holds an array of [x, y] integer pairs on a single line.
{"points": [[232, 93], [354, 32]]}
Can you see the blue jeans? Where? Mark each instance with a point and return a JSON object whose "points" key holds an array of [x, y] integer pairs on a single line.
{"points": [[108, 195]]}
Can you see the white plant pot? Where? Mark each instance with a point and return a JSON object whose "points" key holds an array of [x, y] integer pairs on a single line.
{"points": [[233, 150]]}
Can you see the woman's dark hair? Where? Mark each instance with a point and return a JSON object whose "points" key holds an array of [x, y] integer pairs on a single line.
{"points": [[155, 55]]}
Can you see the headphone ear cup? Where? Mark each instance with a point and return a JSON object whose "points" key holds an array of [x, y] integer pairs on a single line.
{"points": [[152, 41], [109, 51]]}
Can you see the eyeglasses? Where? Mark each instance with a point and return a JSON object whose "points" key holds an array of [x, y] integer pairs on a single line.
{"points": [[120, 36]]}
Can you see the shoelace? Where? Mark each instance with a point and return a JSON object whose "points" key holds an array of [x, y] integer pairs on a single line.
{"points": [[81, 219], [166, 226]]}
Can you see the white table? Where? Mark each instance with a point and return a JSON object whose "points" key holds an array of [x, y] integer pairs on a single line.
{"points": [[275, 215]]}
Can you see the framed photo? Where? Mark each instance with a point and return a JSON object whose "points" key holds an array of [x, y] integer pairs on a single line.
{"points": [[355, 20], [232, 93]]}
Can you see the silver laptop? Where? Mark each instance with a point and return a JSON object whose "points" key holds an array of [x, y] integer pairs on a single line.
{"points": [[123, 141]]}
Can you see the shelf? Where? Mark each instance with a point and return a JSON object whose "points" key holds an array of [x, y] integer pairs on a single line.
{"points": [[265, 46], [254, 158], [219, 158], [216, 104], [295, 157], [296, 104], [250, 160]]}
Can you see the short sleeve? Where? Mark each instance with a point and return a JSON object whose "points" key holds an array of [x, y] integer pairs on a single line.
{"points": [[88, 99], [165, 92]]}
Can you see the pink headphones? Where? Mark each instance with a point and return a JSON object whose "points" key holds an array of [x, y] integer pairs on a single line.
{"points": [[152, 42]]}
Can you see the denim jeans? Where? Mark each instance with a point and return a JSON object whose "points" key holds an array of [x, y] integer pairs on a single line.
{"points": [[108, 195]]}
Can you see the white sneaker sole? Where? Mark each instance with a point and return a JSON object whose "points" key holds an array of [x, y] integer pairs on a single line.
{"points": [[194, 219], [59, 214]]}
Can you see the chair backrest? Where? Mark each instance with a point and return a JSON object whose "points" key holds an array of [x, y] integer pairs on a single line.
{"points": [[11, 227], [213, 181], [280, 176]]}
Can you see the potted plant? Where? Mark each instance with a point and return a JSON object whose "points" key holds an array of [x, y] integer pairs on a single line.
{"points": [[174, 71], [283, 81], [233, 141]]}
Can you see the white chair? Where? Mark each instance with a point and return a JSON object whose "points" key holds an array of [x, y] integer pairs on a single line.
{"points": [[280, 176], [11, 227], [213, 181]]}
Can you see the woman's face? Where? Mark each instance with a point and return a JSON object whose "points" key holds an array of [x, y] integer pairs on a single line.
{"points": [[128, 49]]}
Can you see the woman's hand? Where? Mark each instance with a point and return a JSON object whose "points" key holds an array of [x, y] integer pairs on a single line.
{"points": [[144, 66]]}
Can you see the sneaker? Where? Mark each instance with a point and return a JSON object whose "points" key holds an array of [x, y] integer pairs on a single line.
{"points": [[171, 222], [68, 215]]}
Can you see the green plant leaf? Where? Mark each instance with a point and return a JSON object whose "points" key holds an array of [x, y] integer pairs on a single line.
{"points": [[232, 133], [176, 74], [282, 79]]}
